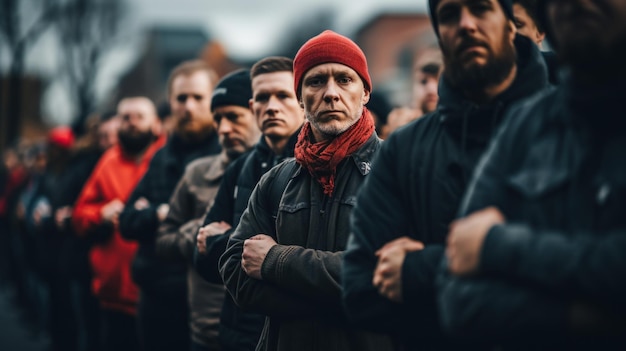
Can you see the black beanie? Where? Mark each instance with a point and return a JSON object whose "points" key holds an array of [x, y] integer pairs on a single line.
{"points": [[233, 89], [507, 6]]}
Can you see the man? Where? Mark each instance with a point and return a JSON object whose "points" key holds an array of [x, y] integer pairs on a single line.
{"points": [[101, 135], [428, 68], [284, 260], [195, 194], [163, 312], [527, 23], [525, 14], [402, 214], [96, 216], [279, 116], [540, 258]]}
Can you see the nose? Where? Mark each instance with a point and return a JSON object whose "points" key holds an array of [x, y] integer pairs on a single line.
{"points": [[272, 105], [331, 93], [189, 103], [467, 21], [225, 126]]}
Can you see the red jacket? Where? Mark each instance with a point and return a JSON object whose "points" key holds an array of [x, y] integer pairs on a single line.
{"points": [[114, 177]]}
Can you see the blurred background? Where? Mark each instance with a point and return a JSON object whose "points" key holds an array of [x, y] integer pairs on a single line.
{"points": [[64, 60]]}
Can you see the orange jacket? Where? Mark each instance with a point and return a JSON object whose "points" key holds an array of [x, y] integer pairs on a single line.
{"points": [[114, 177]]}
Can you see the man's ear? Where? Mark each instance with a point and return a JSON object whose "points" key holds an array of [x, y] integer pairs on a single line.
{"points": [[512, 30], [540, 37], [366, 97]]}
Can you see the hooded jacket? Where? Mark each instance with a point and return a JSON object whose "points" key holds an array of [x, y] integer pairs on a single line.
{"points": [[414, 189], [557, 174]]}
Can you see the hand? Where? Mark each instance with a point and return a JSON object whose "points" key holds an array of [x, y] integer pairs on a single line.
{"points": [[61, 215], [254, 251], [111, 211], [388, 273], [466, 238], [141, 203], [212, 229], [162, 211]]}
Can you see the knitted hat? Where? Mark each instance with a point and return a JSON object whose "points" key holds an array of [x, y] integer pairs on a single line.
{"points": [[233, 89], [326, 48], [507, 7], [62, 136]]}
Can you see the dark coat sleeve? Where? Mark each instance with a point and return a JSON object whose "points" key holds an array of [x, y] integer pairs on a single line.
{"points": [[141, 225], [484, 307], [382, 214], [175, 237], [258, 295]]}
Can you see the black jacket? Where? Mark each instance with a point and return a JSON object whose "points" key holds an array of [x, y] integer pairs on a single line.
{"points": [[558, 175], [151, 273], [414, 189], [238, 330]]}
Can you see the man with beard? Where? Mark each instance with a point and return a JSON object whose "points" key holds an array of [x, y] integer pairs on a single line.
{"points": [[96, 216], [284, 258], [195, 194], [163, 312], [539, 260], [401, 218]]}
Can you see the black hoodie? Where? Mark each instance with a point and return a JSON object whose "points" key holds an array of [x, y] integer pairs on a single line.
{"points": [[414, 189]]}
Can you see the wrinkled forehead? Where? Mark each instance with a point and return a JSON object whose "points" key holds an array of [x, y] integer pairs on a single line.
{"points": [[330, 69]]}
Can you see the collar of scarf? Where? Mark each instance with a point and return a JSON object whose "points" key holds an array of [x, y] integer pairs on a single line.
{"points": [[322, 158]]}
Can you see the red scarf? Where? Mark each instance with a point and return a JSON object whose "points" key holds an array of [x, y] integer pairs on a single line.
{"points": [[322, 158]]}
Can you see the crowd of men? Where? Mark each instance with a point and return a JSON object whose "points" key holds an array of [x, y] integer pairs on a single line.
{"points": [[263, 210]]}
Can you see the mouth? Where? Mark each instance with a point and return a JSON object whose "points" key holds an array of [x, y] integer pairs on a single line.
{"points": [[271, 122]]}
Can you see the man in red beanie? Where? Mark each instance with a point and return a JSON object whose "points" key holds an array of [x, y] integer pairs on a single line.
{"points": [[284, 258]]}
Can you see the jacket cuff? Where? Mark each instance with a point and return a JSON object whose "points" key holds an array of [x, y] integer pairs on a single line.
{"points": [[502, 248], [272, 267], [419, 271]]}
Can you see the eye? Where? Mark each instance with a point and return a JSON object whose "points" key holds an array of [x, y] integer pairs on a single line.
{"points": [[344, 80], [181, 98], [448, 14], [314, 82], [519, 24], [261, 98], [198, 97]]}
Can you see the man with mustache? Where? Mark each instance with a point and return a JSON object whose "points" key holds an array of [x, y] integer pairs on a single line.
{"points": [[284, 258], [401, 218], [195, 194], [163, 312], [96, 215], [279, 116], [539, 260]]}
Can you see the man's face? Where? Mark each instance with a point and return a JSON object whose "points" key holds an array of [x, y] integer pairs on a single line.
{"points": [[476, 39], [275, 105], [107, 133], [237, 129], [425, 85], [526, 25], [190, 100], [333, 95], [138, 121], [588, 31]]}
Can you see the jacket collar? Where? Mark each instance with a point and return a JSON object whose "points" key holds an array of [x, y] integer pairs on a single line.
{"points": [[216, 168]]}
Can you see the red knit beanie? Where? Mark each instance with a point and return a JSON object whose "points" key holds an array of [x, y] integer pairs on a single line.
{"points": [[61, 136], [325, 48]]}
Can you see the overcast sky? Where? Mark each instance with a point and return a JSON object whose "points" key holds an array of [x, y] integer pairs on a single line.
{"points": [[250, 27], [247, 28]]}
